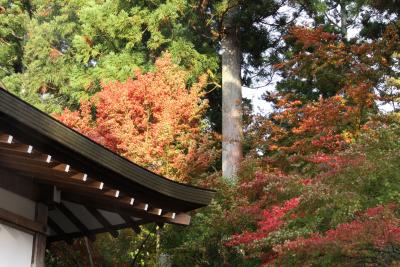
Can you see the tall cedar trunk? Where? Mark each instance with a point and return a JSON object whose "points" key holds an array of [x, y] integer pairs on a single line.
{"points": [[232, 112], [343, 19]]}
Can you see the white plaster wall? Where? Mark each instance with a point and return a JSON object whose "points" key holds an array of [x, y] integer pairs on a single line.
{"points": [[17, 204], [15, 247]]}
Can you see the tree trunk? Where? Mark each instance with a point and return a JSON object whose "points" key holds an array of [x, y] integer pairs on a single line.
{"points": [[343, 19], [232, 112], [90, 257]]}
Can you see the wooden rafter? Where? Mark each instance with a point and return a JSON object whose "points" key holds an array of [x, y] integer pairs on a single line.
{"points": [[103, 221], [26, 160], [120, 207], [41, 158], [19, 148], [53, 164], [131, 223], [20, 221], [68, 213], [71, 236], [25, 165], [57, 229]]}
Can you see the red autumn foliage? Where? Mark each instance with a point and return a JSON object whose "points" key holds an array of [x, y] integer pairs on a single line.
{"points": [[335, 161], [153, 120], [374, 230], [271, 220]]}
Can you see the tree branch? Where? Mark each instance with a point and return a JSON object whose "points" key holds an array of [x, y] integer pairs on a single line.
{"points": [[141, 247]]}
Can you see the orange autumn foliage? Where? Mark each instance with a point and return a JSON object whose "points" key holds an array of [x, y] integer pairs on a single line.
{"points": [[153, 120]]}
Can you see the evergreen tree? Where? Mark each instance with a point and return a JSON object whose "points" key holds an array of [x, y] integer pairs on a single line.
{"points": [[73, 46], [239, 30], [335, 15], [14, 17]]}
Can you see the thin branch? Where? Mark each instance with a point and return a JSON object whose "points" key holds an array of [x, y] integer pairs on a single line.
{"points": [[16, 36], [4, 42], [141, 247], [259, 86], [330, 20], [215, 87]]}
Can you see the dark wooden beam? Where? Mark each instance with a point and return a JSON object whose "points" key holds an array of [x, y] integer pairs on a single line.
{"points": [[24, 186], [3, 137], [32, 169], [40, 159], [23, 223], [131, 223], [54, 226], [83, 192], [103, 221], [29, 168], [64, 209], [117, 227], [39, 241], [57, 229], [43, 171], [125, 208], [22, 162]]}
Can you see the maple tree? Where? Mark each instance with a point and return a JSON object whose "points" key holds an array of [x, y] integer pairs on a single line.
{"points": [[371, 239], [155, 120], [342, 210], [270, 221], [325, 73]]}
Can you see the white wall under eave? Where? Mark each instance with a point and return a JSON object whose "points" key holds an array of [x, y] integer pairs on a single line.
{"points": [[15, 247]]}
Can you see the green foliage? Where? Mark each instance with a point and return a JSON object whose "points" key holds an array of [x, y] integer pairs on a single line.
{"points": [[202, 244], [107, 251], [13, 20], [67, 48], [122, 251]]}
